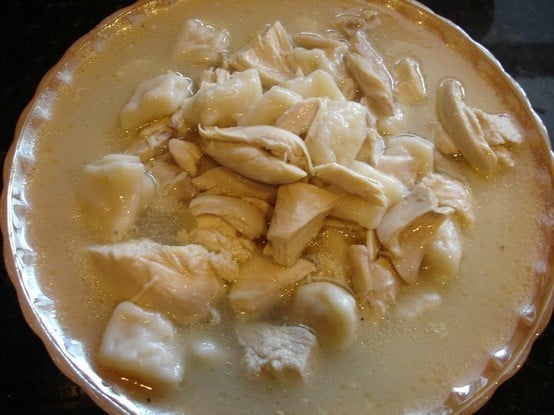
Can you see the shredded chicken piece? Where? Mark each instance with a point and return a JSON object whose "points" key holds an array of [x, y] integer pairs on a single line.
{"points": [[222, 181], [269, 54], [282, 144], [299, 213], [409, 83], [245, 217], [276, 351], [218, 235], [183, 281], [369, 71], [409, 227], [462, 124], [352, 182], [154, 139], [452, 193], [186, 155]]}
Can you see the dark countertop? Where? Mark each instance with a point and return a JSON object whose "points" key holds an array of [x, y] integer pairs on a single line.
{"points": [[519, 33]]}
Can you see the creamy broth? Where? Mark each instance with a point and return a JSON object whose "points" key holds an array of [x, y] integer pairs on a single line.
{"points": [[393, 365]]}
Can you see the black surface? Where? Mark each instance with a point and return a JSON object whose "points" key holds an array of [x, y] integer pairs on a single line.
{"points": [[36, 33]]}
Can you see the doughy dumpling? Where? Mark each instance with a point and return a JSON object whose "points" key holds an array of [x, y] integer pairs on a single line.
{"points": [[270, 107], [113, 192], [337, 132], [318, 84], [155, 98], [223, 103], [200, 43], [142, 344]]}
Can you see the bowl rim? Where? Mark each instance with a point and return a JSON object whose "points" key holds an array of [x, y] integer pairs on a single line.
{"points": [[102, 396]]}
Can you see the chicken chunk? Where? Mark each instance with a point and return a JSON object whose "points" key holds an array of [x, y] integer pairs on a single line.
{"points": [[113, 192], [462, 124], [409, 83], [155, 98], [269, 54], [253, 162], [452, 193], [143, 345], [248, 219], [222, 181], [299, 213], [282, 144], [218, 235], [371, 74], [183, 281], [275, 351], [409, 227], [186, 155]]}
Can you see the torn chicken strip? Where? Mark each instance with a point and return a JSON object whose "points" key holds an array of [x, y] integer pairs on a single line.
{"points": [[443, 256], [393, 188], [214, 76], [186, 155], [372, 244], [222, 181], [262, 283], [462, 124], [360, 210], [223, 103], [299, 213], [452, 193], [245, 217], [218, 235], [183, 281], [114, 191], [374, 282], [253, 162], [279, 352], [419, 201], [298, 118], [407, 157], [369, 71], [270, 107], [201, 44], [352, 182], [282, 144], [318, 84], [328, 309], [409, 83], [171, 180], [154, 139], [498, 129], [337, 132], [155, 98], [414, 242], [142, 344], [269, 54], [372, 148], [354, 20], [442, 141]]}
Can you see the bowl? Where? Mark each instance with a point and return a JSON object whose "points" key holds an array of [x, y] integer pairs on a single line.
{"points": [[39, 304]]}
